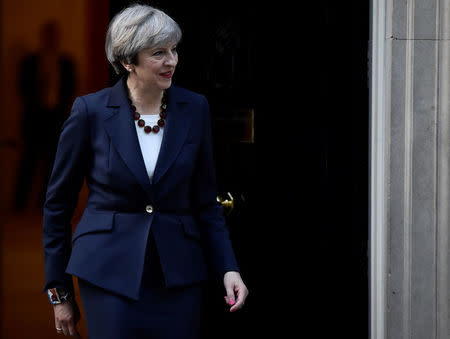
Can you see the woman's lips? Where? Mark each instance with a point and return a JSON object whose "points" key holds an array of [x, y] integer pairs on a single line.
{"points": [[166, 75]]}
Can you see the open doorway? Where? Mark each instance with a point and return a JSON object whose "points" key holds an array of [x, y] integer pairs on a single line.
{"points": [[288, 93]]}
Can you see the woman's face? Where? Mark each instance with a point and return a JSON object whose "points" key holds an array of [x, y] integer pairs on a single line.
{"points": [[155, 66]]}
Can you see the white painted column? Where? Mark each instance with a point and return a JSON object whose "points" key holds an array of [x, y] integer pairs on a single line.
{"points": [[410, 164]]}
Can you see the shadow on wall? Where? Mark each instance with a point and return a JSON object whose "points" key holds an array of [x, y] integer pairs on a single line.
{"points": [[47, 87]]}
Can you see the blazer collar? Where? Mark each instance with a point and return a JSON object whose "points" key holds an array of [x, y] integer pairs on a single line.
{"points": [[120, 126]]}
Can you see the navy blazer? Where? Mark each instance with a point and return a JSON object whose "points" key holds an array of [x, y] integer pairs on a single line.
{"points": [[99, 143]]}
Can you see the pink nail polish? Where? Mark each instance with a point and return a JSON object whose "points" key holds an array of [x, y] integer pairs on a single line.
{"points": [[231, 302]]}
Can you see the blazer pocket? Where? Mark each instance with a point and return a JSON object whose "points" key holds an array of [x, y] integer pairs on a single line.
{"points": [[93, 222], [190, 228]]}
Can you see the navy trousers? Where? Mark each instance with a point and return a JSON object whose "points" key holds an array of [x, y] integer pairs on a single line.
{"points": [[160, 312]]}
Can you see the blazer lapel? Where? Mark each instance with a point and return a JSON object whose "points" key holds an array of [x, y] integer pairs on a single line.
{"points": [[175, 132], [120, 126]]}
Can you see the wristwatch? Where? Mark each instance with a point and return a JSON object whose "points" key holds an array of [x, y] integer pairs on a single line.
{"points": [[58, 295]]}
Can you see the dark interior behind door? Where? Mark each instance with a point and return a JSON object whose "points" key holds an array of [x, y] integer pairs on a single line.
{"points": [[287, 86]]}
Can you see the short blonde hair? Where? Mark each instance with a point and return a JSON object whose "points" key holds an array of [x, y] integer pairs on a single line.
{"points": [[135, 28]]}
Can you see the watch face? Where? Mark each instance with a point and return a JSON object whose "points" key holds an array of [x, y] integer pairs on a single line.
{"points": [[53, 296]]}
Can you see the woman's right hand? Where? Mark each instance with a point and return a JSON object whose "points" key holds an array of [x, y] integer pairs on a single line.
{"points": [[67, 315]]}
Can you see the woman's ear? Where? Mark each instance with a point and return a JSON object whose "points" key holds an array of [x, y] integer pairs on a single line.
{"points": [[128, 67]]}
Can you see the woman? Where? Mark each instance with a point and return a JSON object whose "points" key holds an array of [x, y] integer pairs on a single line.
{"points": [[152, 226]]}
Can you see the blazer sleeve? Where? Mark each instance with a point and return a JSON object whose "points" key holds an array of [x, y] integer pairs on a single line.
{"points": [[209, 211], [69, 170]]}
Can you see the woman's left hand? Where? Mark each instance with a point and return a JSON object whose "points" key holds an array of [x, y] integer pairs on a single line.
{"points": [[236, 290]]}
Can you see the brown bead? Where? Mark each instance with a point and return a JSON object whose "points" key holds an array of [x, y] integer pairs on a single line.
{"points": [[147, 129], [155, 129], [133, 108], [161, 122], [163, 114], [137, 116], [141, 123]]}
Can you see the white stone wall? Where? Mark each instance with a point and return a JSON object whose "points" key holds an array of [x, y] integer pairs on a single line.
{"points": [[410, 72]]}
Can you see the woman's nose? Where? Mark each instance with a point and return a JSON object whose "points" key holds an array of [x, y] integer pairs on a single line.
{"points": [[171, 59]]}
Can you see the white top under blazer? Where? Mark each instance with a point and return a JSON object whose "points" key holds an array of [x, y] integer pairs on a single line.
{"points": [[150, 143]]}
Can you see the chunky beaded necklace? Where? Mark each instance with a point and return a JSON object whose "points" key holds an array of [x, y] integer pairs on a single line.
{"points": [[162, 116]]}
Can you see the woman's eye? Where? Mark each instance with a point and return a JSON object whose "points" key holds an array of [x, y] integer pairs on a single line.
{"points": [[163, 52]]}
